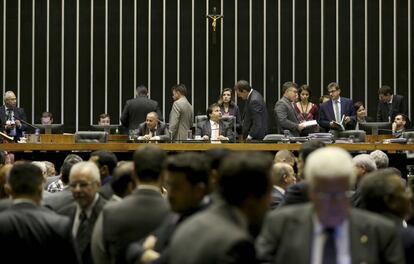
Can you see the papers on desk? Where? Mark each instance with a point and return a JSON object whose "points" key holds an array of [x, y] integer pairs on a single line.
{"points": [[310, 123]]}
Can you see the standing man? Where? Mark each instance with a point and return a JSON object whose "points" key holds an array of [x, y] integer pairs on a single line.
{"points": [[84, 182], [181, 115], [337, 113], [255, 112], [11, 116], [389, 105], [328, 229], [30, 233], [285, 112], [136, 110]]}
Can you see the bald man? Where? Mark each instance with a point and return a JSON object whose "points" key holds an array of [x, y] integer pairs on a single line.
{"points": [[153, 129], [11, 116]]}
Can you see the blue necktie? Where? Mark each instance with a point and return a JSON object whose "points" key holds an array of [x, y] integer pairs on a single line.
{"points": [[329, 248]]}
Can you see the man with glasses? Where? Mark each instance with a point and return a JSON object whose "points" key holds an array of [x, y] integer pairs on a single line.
{"points": [[337, 113], [84, 182], [328, 229], [285, 112]]}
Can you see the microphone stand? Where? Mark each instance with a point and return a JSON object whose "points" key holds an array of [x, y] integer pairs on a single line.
{"points": [[26, 123]]}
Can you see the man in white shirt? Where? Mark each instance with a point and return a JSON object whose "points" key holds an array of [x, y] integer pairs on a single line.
{"points": [[214, 128]]}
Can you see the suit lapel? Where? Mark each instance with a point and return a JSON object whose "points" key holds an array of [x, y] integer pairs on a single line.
{"points": [[331, 113]]}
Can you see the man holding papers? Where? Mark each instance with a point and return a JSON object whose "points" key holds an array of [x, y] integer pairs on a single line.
{"points": [[337, 113], [285, 112]]}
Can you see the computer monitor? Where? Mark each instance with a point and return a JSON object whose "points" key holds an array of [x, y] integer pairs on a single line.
{"points": [[374, 128], [48, 128], [106, 128]]}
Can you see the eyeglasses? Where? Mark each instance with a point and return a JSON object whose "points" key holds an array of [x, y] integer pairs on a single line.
{"points": [[332, 91], [82, 185], [329, 196]]}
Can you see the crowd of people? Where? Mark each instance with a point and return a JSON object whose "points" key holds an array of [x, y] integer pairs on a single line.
{"points": [[218, 206], [294, 113]]}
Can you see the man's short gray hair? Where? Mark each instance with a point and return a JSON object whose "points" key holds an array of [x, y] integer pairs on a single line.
{"points": [[365, 161], [279, 170], [330, 162], [380, 158], [86, 167]]}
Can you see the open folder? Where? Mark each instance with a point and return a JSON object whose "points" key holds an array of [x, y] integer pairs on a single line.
{"points": [[341, 123]]}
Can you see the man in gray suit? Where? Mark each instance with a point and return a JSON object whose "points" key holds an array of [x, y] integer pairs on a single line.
{"points": [[181, 115], [137, 215], [286, 118], [84, 182], [220, 234], [328, 230]]}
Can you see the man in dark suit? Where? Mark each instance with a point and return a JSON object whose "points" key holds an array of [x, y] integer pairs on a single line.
{"points": [[153, 129], [328, 230], [84, 182], [106, 162], [136, 110], [214, 128], [220, 234], [30, 233], [187, 181], [136, 215], [337, 113], [389, 105], [254, 113], [11, 116], [383, 192], [285, 112]]}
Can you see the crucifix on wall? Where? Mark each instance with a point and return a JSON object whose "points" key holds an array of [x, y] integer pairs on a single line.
{"points": [[214, 16]]}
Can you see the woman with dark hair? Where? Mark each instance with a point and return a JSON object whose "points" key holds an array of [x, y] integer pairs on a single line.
{"points": [[228, 107], [305, 109], [361, 114]]}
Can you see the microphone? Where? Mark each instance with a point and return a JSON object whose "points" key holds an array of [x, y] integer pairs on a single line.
{"points": [[26, 123]]}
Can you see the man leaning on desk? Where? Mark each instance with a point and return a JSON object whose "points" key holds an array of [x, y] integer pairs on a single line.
{"points": [[153, 129], [337, 113], [11, 116]]}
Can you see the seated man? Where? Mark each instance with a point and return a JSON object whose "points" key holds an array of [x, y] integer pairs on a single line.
{"points": [[153, 128], [214, 128], [104, 120], [399, 125]]}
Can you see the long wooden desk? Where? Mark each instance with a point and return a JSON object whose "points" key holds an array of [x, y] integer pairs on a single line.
{"points": [[129, 147]]}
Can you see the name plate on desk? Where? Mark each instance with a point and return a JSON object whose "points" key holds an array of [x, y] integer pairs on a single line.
{"points": [[57, 138]]}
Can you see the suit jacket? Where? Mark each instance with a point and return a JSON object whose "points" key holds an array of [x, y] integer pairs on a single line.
{"points": [[131, 219], [70, 211], [19, 114], [58, 200], [277, 197], [286, 117], [181, 119], [288, 231], [215, 235], [136, 110], [32, 234], [162, 130], [327, 114], [255, 116], [398, 107], [295, 194], [204, 128]]}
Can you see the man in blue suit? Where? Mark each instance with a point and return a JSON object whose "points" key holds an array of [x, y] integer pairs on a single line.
{"points": [[337, 113], [12, 117]]}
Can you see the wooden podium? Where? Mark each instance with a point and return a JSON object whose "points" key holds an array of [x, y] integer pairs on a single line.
{"points": [[57, 138]]}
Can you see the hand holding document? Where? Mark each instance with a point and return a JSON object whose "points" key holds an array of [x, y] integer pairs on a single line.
{"points": [[309, 123], [340, 125]]}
